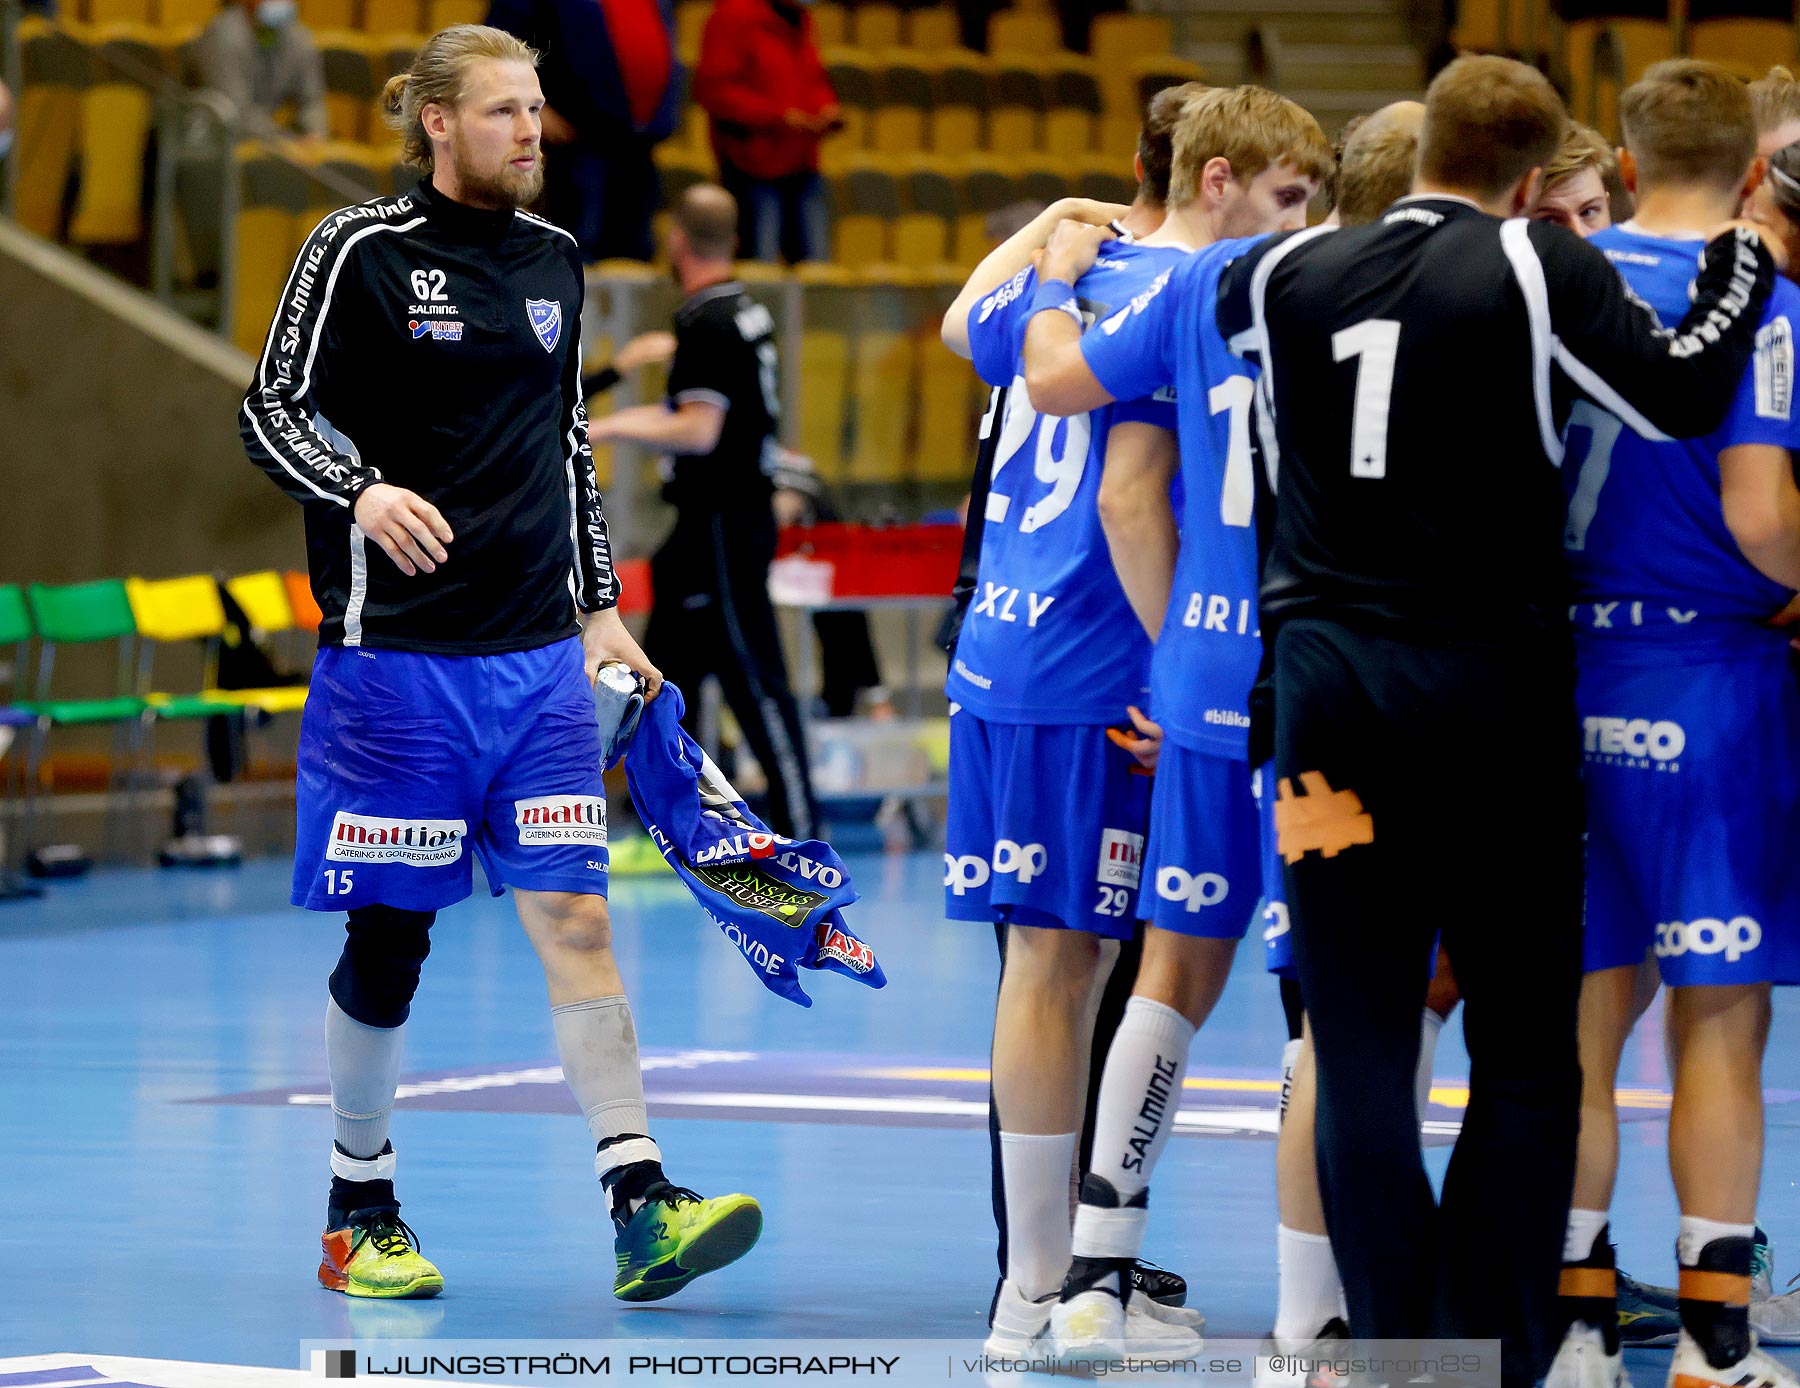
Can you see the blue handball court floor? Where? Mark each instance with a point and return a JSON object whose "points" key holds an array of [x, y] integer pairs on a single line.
{"points": [[164, 1133]]}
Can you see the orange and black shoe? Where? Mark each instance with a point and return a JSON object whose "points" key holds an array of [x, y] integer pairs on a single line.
{"points": [[373, 1253]]}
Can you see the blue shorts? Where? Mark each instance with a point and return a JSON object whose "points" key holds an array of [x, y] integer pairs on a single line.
{"points": [[1278, 939], [1045, 826], [1693, 811], [1203, 845], [408, 761]]}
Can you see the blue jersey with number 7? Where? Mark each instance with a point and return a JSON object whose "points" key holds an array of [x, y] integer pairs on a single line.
{"points": [[1049, 637], [1165, 343], [1653, 560]]}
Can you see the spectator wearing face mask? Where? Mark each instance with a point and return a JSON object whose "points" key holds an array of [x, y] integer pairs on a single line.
{"points": [[260, 58]]}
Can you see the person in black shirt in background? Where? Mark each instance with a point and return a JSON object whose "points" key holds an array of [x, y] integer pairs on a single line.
{"points": [[710, 611], [1416, 377]]}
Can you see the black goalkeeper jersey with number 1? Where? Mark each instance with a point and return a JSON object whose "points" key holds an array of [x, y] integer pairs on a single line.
{"points": [[437, 347], [1416, 377]]}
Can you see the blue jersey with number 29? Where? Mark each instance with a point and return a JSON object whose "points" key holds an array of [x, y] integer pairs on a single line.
{"points": [[1207, 652], [1654, 563], [1049, 637]]}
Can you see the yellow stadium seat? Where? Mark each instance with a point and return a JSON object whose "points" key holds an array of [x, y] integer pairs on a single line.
{"points": [[391, 17], [272, 194], [858, 238], [883, 392], [830, 24], [897, 129], [115, 127], [184, 14], [946, 417], [690, 22], [441, 14], [328, 14], [171, 610], [1755, 42], [921, 239], [99, 12], [1636, 44], [1117, 40], [970, 241], [1012, 130], [953, 130], [57, 69], [933, 30], [1022, 33], [694, 134], [1118, 136], [350, 61], [875, 25], [825, 367], [1068, 132]]}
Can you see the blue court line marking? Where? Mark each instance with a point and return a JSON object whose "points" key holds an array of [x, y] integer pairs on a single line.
{"points": [[50, 1378]]}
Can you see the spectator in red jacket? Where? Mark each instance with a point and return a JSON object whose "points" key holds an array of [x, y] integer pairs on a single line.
{"points": [[762, 83]]}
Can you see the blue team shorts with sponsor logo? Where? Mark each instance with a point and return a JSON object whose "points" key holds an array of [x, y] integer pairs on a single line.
{"points": [[1204, 866], [1693, 811], [411, 763], [1045, 826], [1277, 938]]}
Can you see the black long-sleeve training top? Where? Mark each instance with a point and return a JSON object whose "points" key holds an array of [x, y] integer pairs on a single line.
{"points": [[437, 347]]}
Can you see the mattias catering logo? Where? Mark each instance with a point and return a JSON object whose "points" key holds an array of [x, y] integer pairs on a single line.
{"points": [[755, 891]]}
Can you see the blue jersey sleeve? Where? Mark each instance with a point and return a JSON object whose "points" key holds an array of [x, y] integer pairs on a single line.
{"points": [[1157, 408], [1131, 351], [997, 329], [1763, 409]]}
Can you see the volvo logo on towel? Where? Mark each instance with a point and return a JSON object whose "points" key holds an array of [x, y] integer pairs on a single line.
{"points": [[546, 321]]}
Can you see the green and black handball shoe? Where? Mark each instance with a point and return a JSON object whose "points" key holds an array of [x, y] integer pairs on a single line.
{"points": [[675, 1235]]}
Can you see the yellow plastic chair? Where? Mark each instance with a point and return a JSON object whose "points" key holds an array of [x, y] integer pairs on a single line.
{"points": [[391, 17], [328, 14], [115, 131], [947, 413], [1068, 132], [831, 25], [172, 610], [933, 30], [441, 14], [57, 68], [1024, 33], [875, 26]]}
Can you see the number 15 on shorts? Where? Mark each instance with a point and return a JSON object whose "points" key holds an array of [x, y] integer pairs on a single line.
{"points": [[339, 881]]}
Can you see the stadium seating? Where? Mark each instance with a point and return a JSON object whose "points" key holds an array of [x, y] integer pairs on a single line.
{"points": [[115, 132], [351, 61], [1746, 44], [272, 195], [170, 611], [57, 70], [874, 25]]}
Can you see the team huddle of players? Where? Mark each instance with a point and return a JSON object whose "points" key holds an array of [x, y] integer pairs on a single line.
{"points": [[1131, 447]]}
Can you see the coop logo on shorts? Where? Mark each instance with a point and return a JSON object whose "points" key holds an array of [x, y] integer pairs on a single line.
{"points": [[1733, 938], [1026, 860], [364, 838], [562, 819], [1191, 890], [963, 873], [1634, 742], [437, 329], [1121, 858]]}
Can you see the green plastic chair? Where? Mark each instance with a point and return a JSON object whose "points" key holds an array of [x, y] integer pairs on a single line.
{"points": [[15, 631], [83, 614]]}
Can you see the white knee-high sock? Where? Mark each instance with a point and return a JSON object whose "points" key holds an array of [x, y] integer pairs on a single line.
{"points": [[597, 1041], [1035, 1169], [364, 1064], [1308, 1294], [1139, 1094]]}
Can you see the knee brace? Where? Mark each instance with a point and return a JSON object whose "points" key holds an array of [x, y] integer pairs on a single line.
{"points": [[378, 972]]}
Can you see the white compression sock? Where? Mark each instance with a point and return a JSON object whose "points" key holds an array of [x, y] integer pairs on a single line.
{"points": [[1290, 1057], [1139, 1093], [597, 1041], [1431, 1026], [1035, 1170], [364, 1064], [1308, 1293], [1583, 1230]]}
